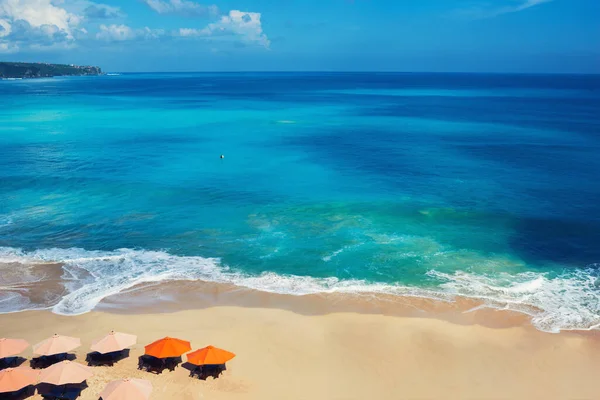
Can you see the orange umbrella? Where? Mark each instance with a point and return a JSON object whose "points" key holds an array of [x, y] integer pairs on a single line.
{"points": [[209, 356], [56, 345], [14, 379], [127, 389], [114, 341], [65, 372], [12, 347], [168, 347]]}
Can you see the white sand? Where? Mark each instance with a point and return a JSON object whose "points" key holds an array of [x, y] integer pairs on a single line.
{"points": [[285, 355]]}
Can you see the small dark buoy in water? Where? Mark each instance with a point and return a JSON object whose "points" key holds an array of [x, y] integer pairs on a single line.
{"points": [[222, 156]]}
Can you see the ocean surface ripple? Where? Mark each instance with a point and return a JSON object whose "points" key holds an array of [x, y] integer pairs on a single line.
{"points": [[429, 185]]}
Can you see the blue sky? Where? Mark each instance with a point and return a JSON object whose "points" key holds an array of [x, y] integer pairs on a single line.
{"points": [[325, 35]]}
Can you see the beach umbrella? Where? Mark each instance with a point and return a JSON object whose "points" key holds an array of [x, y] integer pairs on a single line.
{"points": [[168, 347], [14, 379], [65, 372], [12, 347], [210, 356], [127, 389], [57, 344], [114, 341]]}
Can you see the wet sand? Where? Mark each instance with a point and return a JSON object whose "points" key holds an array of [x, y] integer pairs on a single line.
{"points": [[331, 346], [31, 285], [166, 297]]}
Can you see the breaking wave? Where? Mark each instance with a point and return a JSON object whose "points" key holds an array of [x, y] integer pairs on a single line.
{"points": [[570, 301]]}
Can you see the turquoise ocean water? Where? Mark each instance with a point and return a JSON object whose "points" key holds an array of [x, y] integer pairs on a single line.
{"points": [[430, 185]]}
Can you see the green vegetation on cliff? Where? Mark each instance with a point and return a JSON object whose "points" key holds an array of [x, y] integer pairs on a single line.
{"points": [[43, 70]]}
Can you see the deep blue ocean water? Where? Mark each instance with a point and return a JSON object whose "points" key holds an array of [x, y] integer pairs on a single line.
{"points": [[415, 184]]}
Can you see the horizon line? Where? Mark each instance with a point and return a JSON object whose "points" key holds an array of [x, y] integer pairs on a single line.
{"points": [[353, 72]]}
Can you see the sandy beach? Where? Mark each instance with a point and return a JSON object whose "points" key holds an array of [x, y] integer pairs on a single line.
{"points": [[286, 353]]}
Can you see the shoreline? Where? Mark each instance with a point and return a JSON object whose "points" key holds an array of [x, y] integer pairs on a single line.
{"points": [[175, 296], [42, 286]]}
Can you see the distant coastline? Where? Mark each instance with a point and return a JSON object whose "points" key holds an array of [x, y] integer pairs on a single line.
{"points": [[21, 70]]}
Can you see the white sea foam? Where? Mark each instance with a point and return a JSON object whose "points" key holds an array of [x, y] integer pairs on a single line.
{"points": [[336, 253], [333, 255], [565, 302], [568, 301]]}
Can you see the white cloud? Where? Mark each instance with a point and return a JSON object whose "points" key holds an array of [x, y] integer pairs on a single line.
{"points": [[89, 10], [115, 33], [38, 13], [7, 48], [245, 25], [5, 28], [102, 11], [36, 24], [61, 24], [147, 33], [189, 32], [121, 33], [185, 7], [511, 6]]}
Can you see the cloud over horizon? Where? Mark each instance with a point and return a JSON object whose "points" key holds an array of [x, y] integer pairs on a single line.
{"points": [[64, 24], [245, 25], [121, 33]]}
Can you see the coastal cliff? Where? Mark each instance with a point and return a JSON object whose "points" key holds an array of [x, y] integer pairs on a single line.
{"points": [[44, 70]]}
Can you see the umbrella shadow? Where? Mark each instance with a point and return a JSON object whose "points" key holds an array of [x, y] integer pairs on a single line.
{"points": [[158, 365], [189, 366], [46, 361], [70, 391], [95, 359], [25, 393], [11, 362], [203, 372]]}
